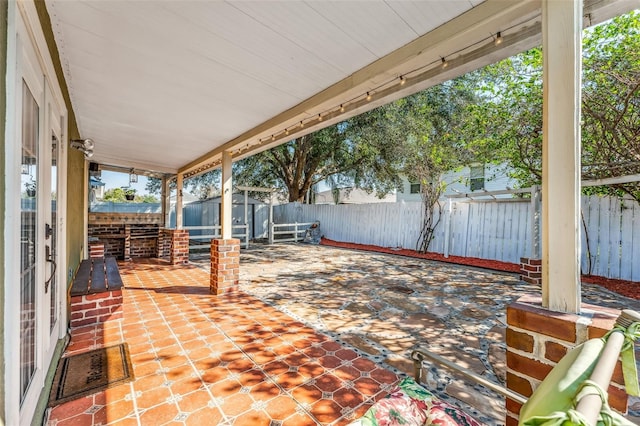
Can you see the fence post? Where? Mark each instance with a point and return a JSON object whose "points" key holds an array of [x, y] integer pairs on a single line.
{"points": [[246, 235], [535, 222], [295, 232], [447, 228], [271, 230]]}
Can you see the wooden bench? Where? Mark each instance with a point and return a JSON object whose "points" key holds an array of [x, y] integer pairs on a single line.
{"points": [[96, 292], [96, 275]]}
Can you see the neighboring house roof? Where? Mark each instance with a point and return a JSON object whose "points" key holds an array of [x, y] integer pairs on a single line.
{"points": [[353, 196]]}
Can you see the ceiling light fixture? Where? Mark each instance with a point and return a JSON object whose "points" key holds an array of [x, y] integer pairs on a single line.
{"points": [[444, 63], [402, 80], [498, 38], [341, 107], [368, 96]]}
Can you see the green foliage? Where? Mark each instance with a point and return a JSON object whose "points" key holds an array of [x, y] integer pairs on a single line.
{"points": [[510, 115], [118, 195], [115, 195], [203, 186], [339, 154]]}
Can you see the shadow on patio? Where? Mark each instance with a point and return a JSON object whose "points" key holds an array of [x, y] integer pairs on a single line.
{"points": [[200, 359], [314, 336]]}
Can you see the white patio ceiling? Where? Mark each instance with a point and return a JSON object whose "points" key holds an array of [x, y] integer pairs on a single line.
{"points": [[167, 85]]}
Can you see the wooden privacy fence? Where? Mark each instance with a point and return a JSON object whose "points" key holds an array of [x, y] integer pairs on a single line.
{"points": [[499, 229]]}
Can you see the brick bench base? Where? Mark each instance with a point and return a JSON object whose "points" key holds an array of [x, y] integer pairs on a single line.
{"points": [[96, 292], [96, 308]]}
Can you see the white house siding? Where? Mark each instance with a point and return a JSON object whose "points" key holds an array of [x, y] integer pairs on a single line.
{"points": [[458, 181]]}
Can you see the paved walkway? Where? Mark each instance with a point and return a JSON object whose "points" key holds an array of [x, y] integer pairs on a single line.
{"points": [[385, 305]]}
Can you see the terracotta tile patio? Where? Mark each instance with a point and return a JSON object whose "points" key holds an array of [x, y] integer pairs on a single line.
{"points": [[200, 359]]}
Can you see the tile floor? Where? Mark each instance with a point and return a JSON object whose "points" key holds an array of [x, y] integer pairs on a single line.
{"points": [[200, 359]]}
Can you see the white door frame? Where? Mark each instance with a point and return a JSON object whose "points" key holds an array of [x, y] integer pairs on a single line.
{"points": [[28, 59]]}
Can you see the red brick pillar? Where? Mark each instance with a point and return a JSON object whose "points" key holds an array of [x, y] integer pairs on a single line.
{"points": [[225, 265], [531, 270], [179, 247], [96, 250], [538, 338]]}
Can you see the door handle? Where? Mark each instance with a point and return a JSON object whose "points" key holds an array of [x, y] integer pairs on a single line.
{"points": [[48, 231], [49, 258]]}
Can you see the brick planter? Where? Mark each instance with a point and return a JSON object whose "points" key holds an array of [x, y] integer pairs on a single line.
{"points": [[225, 265], [538, 338], [531, 270]]}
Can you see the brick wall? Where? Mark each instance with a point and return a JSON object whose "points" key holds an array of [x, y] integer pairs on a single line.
{"points": [[126, 241], [538, 338], [531, 270], [225, 265], [164, 243], [96, 308]]}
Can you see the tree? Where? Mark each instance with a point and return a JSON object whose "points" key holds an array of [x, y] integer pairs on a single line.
{"points": [[432, 130], [338, 154], [115, 195], [511, 114], [203, 186], [611, 102]]}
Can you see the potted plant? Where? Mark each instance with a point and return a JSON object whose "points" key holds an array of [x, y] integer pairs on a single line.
{"points": [[130, 194], [30, 188]]}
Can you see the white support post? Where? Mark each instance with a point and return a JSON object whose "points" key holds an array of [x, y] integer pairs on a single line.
{"points": [[179, 183], [227, 197], [271, 237], [561, 46], [164, 196], [295, 232]]}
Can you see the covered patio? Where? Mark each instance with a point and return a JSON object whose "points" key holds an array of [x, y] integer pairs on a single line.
{"points": [[173, 89], [279, 351]]}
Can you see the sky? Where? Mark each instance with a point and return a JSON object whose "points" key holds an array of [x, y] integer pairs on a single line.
{"points": [[119, 180]]}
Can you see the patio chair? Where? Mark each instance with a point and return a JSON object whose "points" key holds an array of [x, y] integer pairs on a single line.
{"points": [[573, 393]]}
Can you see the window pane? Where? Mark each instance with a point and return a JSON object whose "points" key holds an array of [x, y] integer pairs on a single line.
{"points": [[28, 204]]}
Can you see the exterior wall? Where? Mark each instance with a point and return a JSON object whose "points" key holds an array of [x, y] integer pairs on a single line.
{"points": [[75, 161], [3, 97], [538, 338], [495, 179]]}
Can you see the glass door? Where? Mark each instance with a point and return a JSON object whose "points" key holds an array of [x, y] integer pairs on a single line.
{"points": [[29, 240]]}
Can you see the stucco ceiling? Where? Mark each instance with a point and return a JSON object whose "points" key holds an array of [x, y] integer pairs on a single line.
{"points": [[167, 85]]}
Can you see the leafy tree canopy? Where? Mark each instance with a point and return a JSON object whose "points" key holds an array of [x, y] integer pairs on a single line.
{"points": [[511, 114]]}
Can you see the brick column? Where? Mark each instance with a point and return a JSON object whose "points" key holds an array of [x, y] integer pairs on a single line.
{"points": [[225, 265], [538, 338], [96, 250], [531, 270], [179, 247]]}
